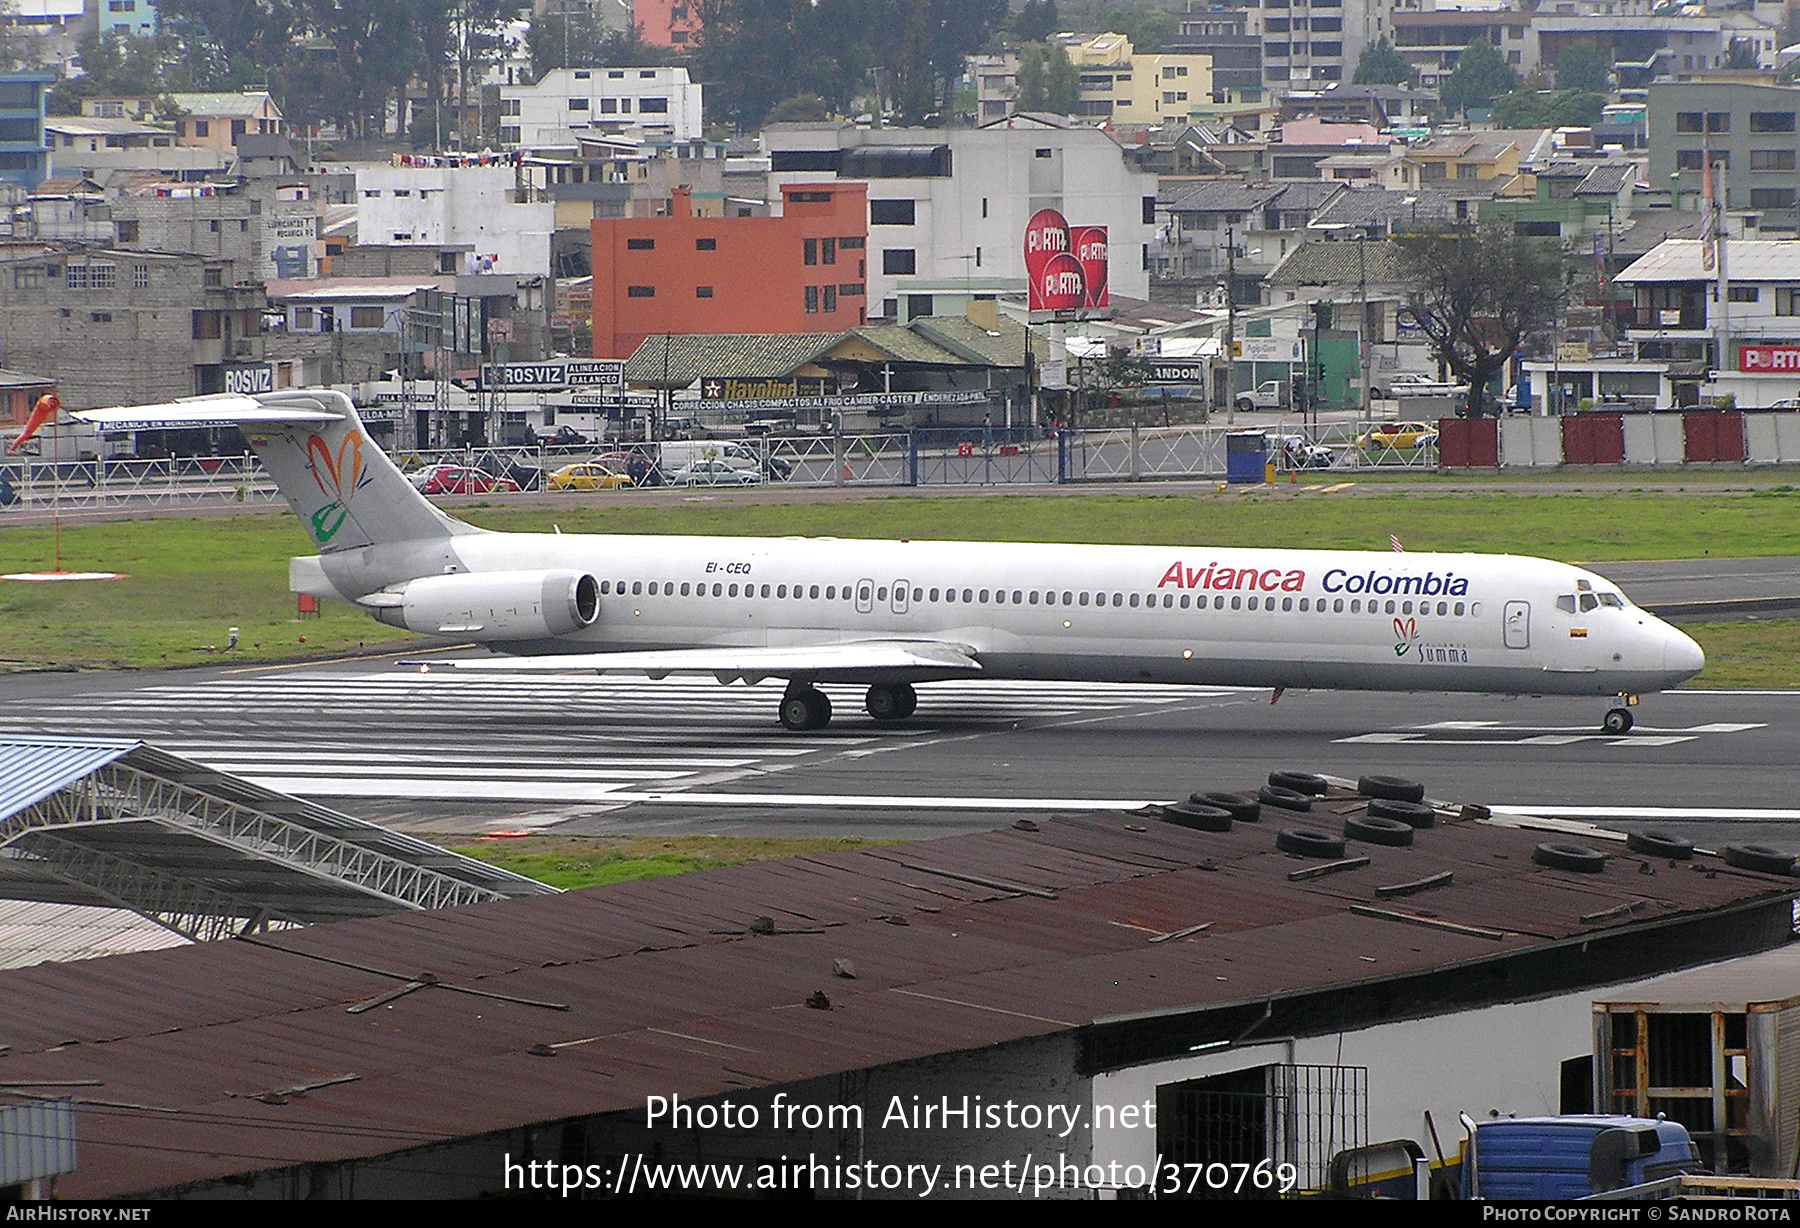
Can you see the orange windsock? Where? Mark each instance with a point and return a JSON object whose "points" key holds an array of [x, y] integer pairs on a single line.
{"points": [[44, 411]]}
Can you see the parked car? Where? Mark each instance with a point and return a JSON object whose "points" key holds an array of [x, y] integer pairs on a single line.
{"points": [[459, 480], [713, 473], [1270, 394], [526, 477], [1398, 436], [1409, 384], [588, 477]]}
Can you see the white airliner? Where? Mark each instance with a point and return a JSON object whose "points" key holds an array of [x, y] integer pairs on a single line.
{"points": [[891, 614]]}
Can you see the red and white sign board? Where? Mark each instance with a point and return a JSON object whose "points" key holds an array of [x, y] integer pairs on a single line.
{"points": [[1065, 266], [1769, 358]]}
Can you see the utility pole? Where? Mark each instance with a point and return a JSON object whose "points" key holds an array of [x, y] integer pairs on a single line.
{"points": [[1230, 354], [1721, 359], [1364, 351]]}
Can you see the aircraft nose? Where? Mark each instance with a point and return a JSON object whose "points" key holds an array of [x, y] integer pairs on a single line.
{"points": [[1682, 657]]}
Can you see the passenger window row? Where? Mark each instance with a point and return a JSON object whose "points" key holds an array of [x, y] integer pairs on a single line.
{"points": [[972, 596]]}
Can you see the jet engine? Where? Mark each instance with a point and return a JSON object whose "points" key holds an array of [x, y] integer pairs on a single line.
{"points": [[491, 605]]}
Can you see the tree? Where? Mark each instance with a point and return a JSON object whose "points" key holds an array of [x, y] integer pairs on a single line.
{"points": [[1380, 64], [1742, 54], [800, 109], [1031, 91], [1477, 295], [1062, 82], [1036, 22], [1481, 76], [1582, 67]]}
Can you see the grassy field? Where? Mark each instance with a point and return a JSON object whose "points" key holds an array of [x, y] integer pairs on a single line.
{"points": [[189, 580], [571, 862]]}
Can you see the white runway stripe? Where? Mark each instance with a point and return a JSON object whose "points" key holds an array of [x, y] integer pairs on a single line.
{"points": [[584, 738]]}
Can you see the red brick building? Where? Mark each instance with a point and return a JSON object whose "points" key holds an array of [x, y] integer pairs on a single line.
{"points": [[803, 272]]}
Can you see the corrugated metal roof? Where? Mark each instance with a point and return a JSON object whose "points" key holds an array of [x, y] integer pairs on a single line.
{"points": [[36, 1141], [958, 944], [32, 768], [677, 361], [1333, 263], [1751, 260], [33, 932]]}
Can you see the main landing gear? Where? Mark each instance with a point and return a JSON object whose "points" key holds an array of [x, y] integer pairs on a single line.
{"points": [[1618, 715], [805, 708]]}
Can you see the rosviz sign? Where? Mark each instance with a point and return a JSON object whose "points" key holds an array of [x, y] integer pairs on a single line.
{"points": [[250, 380], [554, 376]]}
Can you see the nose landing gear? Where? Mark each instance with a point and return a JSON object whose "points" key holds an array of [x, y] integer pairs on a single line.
{"points": [[1618, 715]]}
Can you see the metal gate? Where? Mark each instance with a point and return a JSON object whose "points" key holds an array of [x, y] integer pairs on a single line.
{"points": [[1298, 1115]]}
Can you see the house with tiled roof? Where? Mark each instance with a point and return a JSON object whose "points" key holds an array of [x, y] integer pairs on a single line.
{"points": [[216, 121]]}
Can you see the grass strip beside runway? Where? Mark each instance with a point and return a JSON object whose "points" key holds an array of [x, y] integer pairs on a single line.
{"points": [[570, 862], [189, 580]]}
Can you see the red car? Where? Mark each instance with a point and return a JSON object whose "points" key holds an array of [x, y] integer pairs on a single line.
{"points": [[459, 480]]}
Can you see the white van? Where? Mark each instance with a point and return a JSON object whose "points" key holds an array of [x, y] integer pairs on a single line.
{"points": [[679, 454]]}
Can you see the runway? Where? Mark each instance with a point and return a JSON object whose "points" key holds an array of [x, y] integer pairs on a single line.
{"points": [[444, 754]]}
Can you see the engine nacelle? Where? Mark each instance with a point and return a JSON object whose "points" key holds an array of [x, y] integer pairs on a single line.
{"points": [[491, 605]]}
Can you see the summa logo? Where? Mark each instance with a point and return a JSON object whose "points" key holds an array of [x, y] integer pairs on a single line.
{"points": [[1252, 579], [1406, 630]]}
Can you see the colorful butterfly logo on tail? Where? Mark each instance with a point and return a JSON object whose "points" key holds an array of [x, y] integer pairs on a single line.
{"points": [[338, 477]]}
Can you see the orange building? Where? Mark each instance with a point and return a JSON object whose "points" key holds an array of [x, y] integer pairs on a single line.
{"points": [[803, 272], [667, 23]]}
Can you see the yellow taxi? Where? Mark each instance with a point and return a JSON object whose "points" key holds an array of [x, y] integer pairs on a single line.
{"points": [[587, 477], [1399, 436]]}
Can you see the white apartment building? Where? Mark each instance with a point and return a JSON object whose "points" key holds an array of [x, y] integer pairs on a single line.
{"points": [[472, 208], [572, 102], [950, 205], [1680, 319]]}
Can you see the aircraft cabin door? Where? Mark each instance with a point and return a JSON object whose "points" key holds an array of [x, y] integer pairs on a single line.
{"points": [[1517, 624], [865, 596], [902, 590]]}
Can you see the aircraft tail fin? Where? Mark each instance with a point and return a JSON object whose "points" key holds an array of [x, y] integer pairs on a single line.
{"points": [[344, 489]]}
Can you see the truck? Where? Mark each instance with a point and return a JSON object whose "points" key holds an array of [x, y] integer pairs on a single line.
{"points": [[1270, 394], [1572, 1156]]}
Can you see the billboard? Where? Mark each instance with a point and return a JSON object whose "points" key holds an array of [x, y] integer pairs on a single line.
{"points": [[1783, 358], [1065, 266]]}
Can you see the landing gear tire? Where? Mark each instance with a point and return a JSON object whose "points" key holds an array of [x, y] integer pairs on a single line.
{"points": [[1616, 720], [891, 701], [804, 709]]}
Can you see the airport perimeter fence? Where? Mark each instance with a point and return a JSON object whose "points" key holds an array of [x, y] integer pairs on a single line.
{"points": [[925, 458]]}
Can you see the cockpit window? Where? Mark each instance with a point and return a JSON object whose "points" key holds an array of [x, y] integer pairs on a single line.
{"points": [[1589, 602], [1613, 600], [1566, 603]]}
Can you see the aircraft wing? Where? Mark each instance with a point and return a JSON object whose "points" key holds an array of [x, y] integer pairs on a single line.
{"points": [[855, 661], [222, 409]]}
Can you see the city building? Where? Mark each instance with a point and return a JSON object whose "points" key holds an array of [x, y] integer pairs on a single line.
{"points": [[948, 204], [1432, 40], [1680, 320], [101, 145], [216, 121], [805, 271], [1210, 231], [1313, 45], [1644, 47], [268, 228], [136, 18], [665, 23], [457, 204], [1132, 87], [23, 157], [570, 102], [126, 327], [1743, 122]]}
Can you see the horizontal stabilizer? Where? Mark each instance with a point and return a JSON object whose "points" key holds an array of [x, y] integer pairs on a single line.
{"points": [[222, 409], [864, 660]]}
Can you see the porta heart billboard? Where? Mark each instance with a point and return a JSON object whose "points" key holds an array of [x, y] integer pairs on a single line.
{"points": [[1061, 287], [1088, 244], [1046, 236]]}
